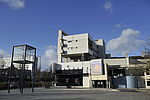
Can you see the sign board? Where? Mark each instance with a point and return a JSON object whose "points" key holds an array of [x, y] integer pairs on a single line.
{"points": [[96, 67]]}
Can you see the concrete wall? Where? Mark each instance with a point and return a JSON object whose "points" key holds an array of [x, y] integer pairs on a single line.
{"points": [[77, 65], [99, 77], [101, 48], [120, 61], [86, 81], [76, 44], [70, 45]]}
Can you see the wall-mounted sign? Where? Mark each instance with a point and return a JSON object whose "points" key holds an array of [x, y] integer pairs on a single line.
{"points": [[96, 67]]}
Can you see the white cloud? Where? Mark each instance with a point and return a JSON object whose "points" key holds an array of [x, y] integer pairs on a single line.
{"points": [[15, 4], [128, 42], [108, 5], [49, 56], [3, 53]]}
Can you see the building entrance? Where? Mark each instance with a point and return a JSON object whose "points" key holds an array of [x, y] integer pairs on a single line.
{"points": [[69, 77], [99, 84]]}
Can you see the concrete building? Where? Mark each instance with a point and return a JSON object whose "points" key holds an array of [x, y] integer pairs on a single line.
{"points": [[79, 47], [83, 62]]}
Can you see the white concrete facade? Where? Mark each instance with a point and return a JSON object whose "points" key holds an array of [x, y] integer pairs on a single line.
{"points": [[80, 51], [79, 47]]}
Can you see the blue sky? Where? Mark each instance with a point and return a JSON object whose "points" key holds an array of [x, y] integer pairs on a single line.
{"points": [[35, 22]]}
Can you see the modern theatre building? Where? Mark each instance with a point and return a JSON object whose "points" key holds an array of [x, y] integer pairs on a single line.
{"points": [[83, 62]]}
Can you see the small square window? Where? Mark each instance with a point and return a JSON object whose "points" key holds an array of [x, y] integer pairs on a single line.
{"points": [[148, 83]]}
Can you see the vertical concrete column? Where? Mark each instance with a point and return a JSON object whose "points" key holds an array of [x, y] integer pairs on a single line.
{"points": [[107, 80], [127, 59], [59, 49], [105, 67], [145, 79]]}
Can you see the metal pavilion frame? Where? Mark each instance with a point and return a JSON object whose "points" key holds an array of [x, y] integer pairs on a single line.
{"points": [[23, 62]]}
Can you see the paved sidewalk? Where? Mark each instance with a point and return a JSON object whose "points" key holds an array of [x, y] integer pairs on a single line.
{"points": [[143, 90], [81, 88], [73, 94]]}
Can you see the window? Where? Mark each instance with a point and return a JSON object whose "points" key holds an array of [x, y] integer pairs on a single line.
{"points": [[147, 73], [64, 52], [70, 47], [148, 83], [64, 45], [76, 47], [76, 40], [69, 41]]}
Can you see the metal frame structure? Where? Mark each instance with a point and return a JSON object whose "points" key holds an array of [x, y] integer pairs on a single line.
{"points": [[26, 56]]}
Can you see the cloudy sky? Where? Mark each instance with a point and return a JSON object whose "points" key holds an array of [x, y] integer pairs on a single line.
{"points": [[123, 24]]}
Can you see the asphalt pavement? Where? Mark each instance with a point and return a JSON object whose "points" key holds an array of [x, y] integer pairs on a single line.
{"points": [[73, 94]]}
